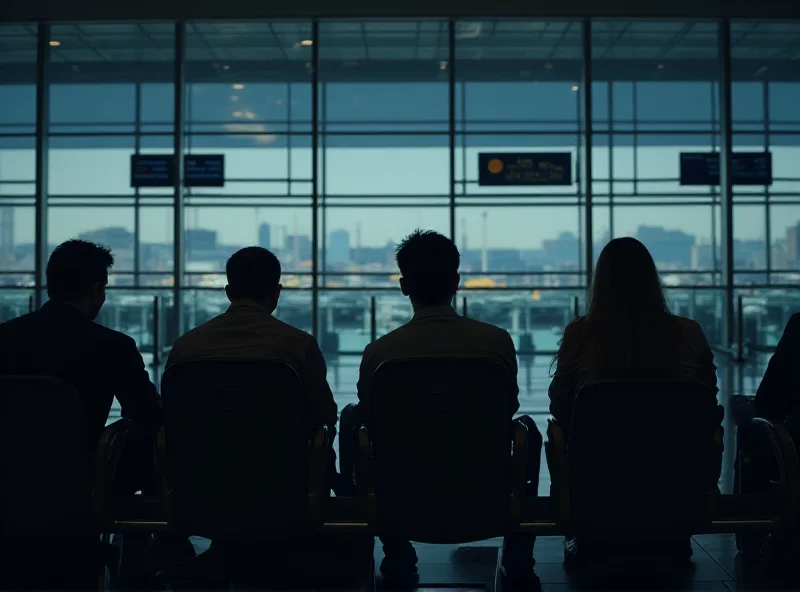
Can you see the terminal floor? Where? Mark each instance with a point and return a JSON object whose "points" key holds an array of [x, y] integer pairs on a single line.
{"points": [[714, 566]]}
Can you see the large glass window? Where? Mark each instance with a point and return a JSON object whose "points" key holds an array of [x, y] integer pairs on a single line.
{"points": [[765, 95], [17, 165]]}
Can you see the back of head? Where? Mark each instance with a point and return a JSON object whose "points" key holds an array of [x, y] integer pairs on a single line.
{"points": [[253, 273], [428, 262], [75, 268], [628, 327]]}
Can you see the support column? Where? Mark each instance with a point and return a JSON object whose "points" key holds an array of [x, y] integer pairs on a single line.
{"points": [[42, 147], [586, 161], [315, 179], [726, 180], [178, 197]]}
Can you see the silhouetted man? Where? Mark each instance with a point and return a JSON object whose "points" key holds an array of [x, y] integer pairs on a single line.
{"points": [[248, 330], [61, 340], [429, 264]]}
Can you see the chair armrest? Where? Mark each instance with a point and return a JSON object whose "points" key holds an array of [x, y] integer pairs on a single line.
{"points": [[519, 465], [365, 472], [558, 463], [106, 459], [162, 468], [785, 453], [318, 473]]}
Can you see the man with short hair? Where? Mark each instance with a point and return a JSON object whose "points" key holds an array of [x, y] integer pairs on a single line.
{"points": [[428, 263], [249, 330], [61, 340]]}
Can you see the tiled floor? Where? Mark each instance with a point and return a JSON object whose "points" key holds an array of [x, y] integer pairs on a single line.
{"points": [[714, 566]]}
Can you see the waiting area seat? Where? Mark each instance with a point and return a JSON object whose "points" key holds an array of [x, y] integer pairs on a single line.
{"points": [[455, 476], [439, 447], [52, 488]]}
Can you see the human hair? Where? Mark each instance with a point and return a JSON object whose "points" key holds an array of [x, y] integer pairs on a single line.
{"points": [[74, 267], [253, 273], [428, 262], [628, 328]]}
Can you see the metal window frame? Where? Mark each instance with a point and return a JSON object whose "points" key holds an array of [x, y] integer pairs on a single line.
{"points": [[318, 127]]}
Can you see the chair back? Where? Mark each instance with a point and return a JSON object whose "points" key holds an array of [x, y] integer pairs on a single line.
{"points": [[44, 461], [440, 432], [643, 457], [236, 446]]}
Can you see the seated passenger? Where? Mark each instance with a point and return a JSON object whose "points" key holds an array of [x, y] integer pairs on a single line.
{"points": [[628, 332], [61, 340], [778, 395], [248, 330], [429, 264]]}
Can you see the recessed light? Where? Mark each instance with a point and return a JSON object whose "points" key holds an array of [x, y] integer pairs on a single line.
{"points": [[234, 98], [55, 43], [660, 66], [306, 42], [575, 88], [238, 86], [443, 65], [226, 67]]}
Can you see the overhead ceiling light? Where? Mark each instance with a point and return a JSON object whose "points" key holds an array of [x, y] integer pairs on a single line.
{"points": [[55, 43], [575, 88], [306, 42], [443, 65], [660, 66], [238, 86], [226, 67], [234, 98]]}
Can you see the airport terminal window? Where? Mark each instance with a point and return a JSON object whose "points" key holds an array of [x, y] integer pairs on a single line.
{"points": [[17, 166], [765, 95], [409, 115], [248, 98]]}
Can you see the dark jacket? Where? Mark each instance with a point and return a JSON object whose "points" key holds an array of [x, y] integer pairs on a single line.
{"points": [[779, 392], [99, 363]]}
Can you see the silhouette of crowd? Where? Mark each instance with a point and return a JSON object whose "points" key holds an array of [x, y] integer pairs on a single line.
{"points": [[628, 333]]}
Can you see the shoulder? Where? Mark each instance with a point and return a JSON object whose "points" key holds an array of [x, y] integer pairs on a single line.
{"points": [[487, 330], [110, 339], [687, 326], [793, 326]]}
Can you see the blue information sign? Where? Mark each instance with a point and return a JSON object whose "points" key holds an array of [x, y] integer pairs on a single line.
{"points": [[152, 170], [204, 170], [749, 168], [525, 168]]}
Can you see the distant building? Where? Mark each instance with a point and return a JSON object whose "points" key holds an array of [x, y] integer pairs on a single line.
{"points": [[703, 257], [298, 247], [668, 247], [793, 245], [562, 250], [338, 247], [115, 238], [264, 236], [200, 243]]}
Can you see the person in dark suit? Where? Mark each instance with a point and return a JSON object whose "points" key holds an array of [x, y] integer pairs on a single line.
{"points": [[778, 395], [62, 340]]}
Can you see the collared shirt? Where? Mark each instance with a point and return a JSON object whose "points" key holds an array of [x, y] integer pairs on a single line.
{"points": [[439, 331], [248, 330]]}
